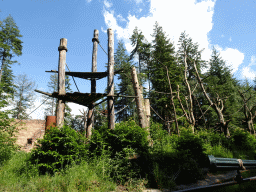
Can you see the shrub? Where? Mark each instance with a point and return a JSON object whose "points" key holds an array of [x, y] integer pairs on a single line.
{"points": [[7, 142], [58, 148], [125, 135], [191, 145], [243, 140]]}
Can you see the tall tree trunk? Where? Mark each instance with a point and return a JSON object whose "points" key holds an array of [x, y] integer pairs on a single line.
{"points": [[217, 107]]}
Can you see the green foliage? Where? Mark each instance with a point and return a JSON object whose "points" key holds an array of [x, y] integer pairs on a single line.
{"points": [[163, 55], [125, 87], [7, 130], [122, 169], [59, 148], [126, 134], [243, 140], [7, 144], [23, 96], [191, 145], [10, 45]]}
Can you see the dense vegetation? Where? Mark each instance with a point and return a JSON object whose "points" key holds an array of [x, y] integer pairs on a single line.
{"points": [[199, 114], [64, 160]]}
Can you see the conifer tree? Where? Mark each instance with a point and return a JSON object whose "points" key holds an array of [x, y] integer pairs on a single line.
{"points": [[10, 44], [125, 86], [163, 54], [23, 96], [221, 84], [51, 104]]}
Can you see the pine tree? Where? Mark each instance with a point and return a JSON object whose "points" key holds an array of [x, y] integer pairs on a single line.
{"points": [[23, 96], [10, 44], [222, 87], [125, 86], [51, 104], [163, 54]]}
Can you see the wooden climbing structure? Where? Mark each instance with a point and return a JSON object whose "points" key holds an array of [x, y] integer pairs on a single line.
{"points": [[86, 99]]}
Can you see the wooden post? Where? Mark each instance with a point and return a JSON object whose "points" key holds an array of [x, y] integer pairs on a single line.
{"points": [[111, 109], [90, 118], [139, 99], [61, 81]]}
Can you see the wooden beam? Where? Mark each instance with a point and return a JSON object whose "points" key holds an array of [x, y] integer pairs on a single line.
{"points": [[61, 81], [90, 115], [111, 109], [45, 93]]}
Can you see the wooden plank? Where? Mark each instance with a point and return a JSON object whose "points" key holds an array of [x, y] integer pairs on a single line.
{"points": [[61, 81], [111, 109]]}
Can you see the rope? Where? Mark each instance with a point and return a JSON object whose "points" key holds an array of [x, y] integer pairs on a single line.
{"points": [[117, 111], [156, 113], [158, 91], [100, 112], [33, 111], [124, 107], [205, 112], [73, 78], [162, 118], [102, 48]]}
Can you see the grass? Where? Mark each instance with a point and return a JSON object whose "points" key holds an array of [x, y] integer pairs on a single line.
{"points": [[161, 168]]}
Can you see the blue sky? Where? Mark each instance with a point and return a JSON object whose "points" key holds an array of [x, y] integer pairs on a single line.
{"points": [[228, 25]]}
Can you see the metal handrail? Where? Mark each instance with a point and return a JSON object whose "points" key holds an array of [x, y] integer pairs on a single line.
{"points": [[216, 163]]}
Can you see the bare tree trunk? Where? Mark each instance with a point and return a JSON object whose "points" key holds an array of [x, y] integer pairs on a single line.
{"points": [[248, 113], [61, 81], [111, 108], [93, 83], [173, 105], [139, 99], [2, 67], [218, 107]]}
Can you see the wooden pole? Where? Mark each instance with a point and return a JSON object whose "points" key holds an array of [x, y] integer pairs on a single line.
{"points": [[111, 109], [139, 99], [90, 118], [61, 81]]}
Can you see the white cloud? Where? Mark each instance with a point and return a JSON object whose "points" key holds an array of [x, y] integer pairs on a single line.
{"points": [[138, 1], [120, 17], [230, 39], [75, 108], [253, 61], [233, 57], [107, 4], [197, 21], [247, 72]]}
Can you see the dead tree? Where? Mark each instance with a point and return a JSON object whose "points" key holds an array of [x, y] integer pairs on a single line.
{"points": [[84, 118], [248, 113], [111, 107], [172, 103], [61, 81], [139, 99], [218, 106], [90, 113], [189, 101]]}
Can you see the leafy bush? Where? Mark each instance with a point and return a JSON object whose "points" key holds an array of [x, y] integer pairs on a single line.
{"points": [[59, 147], [7, 142], [125, 135], [191, 145], [243, 140]]}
